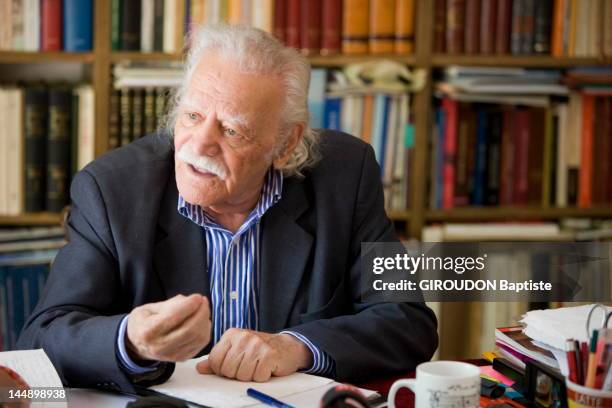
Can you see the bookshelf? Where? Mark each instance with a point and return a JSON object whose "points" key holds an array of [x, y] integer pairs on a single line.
{"points": [[102, 59]]}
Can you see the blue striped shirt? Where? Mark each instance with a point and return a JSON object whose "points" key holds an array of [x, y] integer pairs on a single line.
{"points": [[233, 268]]}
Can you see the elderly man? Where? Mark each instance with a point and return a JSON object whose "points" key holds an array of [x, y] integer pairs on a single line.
{"points": [[238, 235]]}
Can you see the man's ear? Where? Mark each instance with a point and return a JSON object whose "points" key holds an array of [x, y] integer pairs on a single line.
{"points": [[289, 146]]}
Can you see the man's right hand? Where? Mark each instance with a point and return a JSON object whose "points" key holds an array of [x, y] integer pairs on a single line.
{"points": [[173, 330]]}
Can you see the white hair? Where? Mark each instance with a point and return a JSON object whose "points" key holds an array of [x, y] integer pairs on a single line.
{"points": [[255, 51]]}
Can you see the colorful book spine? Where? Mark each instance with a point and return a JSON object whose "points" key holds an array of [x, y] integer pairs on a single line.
{"points": [[404, 26], [355, 26], [331, 35], [78, 25], [51, 25], [382, 26]]}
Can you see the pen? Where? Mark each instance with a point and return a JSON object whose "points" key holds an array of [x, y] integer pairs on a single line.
{"points": [[266, 399]]}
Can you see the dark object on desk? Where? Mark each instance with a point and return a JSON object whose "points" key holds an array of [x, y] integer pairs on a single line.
{"points": [[544, 386], [490, 389], [344, 396], [155, 401]]}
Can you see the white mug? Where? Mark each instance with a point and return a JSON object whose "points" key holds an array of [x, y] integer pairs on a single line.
{"points": [[448, 384]]}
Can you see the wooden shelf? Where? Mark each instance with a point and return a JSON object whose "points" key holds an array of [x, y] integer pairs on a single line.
{"points": [[398, 215], [340, 59], [44, 218], [534, 61], [120, 56], [515, 213], [15, 57]]}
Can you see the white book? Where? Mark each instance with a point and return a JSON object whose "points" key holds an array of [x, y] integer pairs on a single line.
{"points": [[213, 11], [147, 10], [15, 152], [346, 114], [262, 14], [32, 25], [170, 26], [4, 131], [390, 143], [504, 231], [574, 130], [246, 11], [562, 155], [316, 97], [401, 175], [85, 141], [357, 116]]}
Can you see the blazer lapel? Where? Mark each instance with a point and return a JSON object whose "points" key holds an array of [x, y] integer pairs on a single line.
{"points": [[285, 250], [179, 259]]}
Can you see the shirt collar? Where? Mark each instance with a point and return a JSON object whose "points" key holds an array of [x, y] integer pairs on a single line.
{"points": [[271, 192]]}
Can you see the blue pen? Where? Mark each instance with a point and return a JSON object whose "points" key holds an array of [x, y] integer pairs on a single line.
{"points": [[266, 399]]}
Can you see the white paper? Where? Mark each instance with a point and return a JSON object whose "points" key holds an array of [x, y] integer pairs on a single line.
{"points": [[37, 371], [33, 366], [214, 391]]}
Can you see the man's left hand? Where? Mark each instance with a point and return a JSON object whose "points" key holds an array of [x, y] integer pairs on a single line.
{"points": [[248, 355]]}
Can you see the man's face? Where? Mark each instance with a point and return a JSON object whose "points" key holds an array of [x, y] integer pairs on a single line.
{"points": [[226, 133]]}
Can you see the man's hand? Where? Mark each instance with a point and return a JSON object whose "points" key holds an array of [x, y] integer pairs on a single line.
{"points": [[172, 330], [249, 355]]}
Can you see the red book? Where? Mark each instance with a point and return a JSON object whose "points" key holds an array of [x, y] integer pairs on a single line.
{"points": [[440, 26], [280, 20], [506, 188], [535, 156], [472, 26], [488, 22], [310, 27], [293, 23], [455, 26], [331, 30], [51, 25], [601, 162], [450, 150], [585, 173], [502, 26], [521, 158]]}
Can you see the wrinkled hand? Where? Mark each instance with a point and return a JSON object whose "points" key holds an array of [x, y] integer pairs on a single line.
{"points": [[173, 330], [248, 355]]}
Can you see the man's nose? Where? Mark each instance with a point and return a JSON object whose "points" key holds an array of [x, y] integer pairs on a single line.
{"points": [[205, 140]]}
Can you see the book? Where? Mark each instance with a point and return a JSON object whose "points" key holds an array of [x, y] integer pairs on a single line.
{"points": [[147, 13], [293, 31], [472, 26], [78, 25], [51, 25], [355, 26], [488, 27], [439, 44], [542, 26], [310, 27], [502, 26], [115, 27], [125, 116], [86, 147], [331, 27], [279, 15], [35, 131], [382, 26], [113, 120], [130, 25], [404, 26], [158, 26], [455, 26], [32, 20], [58, 149]]}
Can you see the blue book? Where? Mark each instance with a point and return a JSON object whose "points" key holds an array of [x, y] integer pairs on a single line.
{"points": [[377, 126], [316, 97], [333, 110], [78, 25], [480, 167]]}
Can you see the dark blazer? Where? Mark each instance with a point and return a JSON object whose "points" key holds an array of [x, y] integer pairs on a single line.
{"points": [[129, 246]]}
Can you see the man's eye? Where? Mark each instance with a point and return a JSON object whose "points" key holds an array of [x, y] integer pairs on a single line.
{"points": [[230, 132], [192, 116]]}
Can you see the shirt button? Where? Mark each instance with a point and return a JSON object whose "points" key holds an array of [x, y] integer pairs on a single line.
{"points": [[233, 295]]}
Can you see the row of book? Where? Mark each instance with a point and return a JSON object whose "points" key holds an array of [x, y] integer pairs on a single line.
{"points": [[521, 137], [135, 112], [312, 26], [25, 257], [47, 135], [524, 27], [381, 118], [46, 25]]}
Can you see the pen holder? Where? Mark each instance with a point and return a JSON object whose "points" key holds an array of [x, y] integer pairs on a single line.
{"points": [[579, 396]]}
